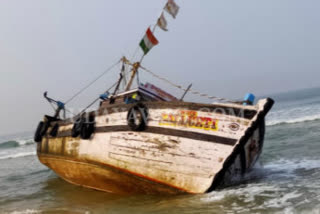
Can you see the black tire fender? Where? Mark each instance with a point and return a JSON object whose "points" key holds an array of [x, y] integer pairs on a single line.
{"points": [[54, 130], [41, 131], [137, 117], [76, 129], [87, 128], [37, 136]]}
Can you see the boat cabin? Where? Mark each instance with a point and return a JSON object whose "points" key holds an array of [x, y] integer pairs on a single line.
{"points": [[145, 92]]}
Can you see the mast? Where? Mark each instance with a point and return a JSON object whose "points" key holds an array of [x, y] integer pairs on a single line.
{"points": [[134, 71]]}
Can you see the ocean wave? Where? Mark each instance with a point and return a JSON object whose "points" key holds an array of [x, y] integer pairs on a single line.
{"points": [[28, 211], [9, 144], [15, 143], [290, 166], [293, 120], [284, 168], [18, 155], [273, 184]]}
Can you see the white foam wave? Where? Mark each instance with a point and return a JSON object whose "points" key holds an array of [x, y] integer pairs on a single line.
{"points": [[282, 200], [275, 197], [18, 155], [280, 168], [293, 120], [25, 142], [248, 193], [16, 143], [28, 211], [290, 166]]}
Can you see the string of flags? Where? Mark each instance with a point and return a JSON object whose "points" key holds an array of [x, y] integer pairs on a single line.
{"points": [[149, 40]]}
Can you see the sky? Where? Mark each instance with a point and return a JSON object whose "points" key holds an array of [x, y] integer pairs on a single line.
{"points": [[224, 48]]}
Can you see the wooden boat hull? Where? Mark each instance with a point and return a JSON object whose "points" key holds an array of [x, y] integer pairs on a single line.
{"points": [[104, 177], [185, 148]]}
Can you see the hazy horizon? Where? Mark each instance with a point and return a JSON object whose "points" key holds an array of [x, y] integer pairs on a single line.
{"points": [[224, 48]]}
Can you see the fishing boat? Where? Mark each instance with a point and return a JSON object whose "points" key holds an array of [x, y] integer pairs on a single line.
{"points": [[145, 140]]}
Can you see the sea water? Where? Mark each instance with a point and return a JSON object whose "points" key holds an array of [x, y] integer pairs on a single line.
{"points": [[286, 180]]}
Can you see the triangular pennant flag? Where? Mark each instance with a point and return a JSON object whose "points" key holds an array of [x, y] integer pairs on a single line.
{"points": [[172, 8], [148, 41], [162, 22]]}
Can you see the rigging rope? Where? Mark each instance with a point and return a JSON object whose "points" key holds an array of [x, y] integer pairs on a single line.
{"points": [[92, 82], [184, 89], [96, 99]]}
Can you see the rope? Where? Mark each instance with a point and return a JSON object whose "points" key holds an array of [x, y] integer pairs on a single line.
{"points": [[91, 104], [70, 112], [135, 53], [92, 82], [52, 106], [64, 109], [138, 78], [184, 89]]}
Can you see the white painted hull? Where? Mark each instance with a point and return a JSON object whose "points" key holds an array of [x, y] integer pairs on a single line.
{"points": [[178, 152]]}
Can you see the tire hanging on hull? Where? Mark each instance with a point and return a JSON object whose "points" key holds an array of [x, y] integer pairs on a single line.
{"points": [[41, 131], [84, 128], [137, 117]]}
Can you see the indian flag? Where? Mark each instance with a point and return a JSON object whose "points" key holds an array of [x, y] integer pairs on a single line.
{"points": [[148, 41]]}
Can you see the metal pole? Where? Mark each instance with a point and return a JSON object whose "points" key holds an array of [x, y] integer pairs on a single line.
{"points": [[185, 93]]}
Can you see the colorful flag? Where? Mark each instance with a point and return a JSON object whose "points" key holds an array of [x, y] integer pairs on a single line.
{"points": [[148, 41], [162, 22], [172, 8]]}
